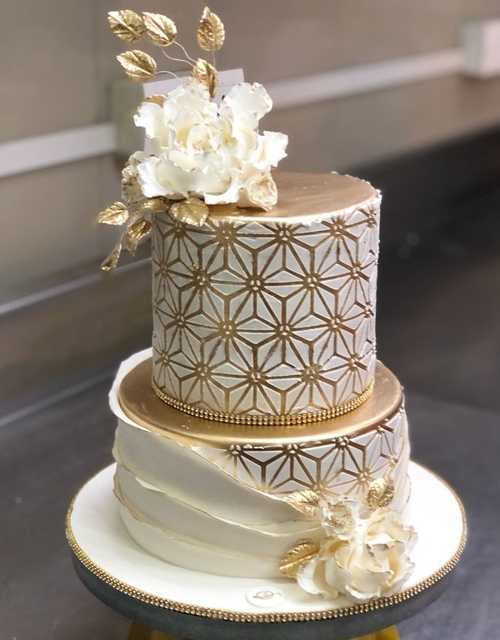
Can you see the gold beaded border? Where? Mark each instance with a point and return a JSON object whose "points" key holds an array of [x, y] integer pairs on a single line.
{"points": [[266, 420], [300, 616]]}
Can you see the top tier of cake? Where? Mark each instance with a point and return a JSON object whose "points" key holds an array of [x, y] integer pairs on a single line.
{"points": [[269, 317]]}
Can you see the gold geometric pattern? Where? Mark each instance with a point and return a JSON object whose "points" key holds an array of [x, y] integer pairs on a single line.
{"points": [[339, 466], [265, 318], [269, 419]]}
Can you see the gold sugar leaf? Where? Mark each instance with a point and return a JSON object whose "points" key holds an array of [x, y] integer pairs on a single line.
{"points": [[154, 205], [136, 232], [138, 65], [126, 24], [109, 263], [157, 98], [211, 32], [115, 214], [160, 29], [299, 555], [307, 501], [205, 73], [380, 493], [191, 210]]}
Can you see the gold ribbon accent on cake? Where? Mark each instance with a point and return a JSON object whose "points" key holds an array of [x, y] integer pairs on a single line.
{"points": [[266, 420]]}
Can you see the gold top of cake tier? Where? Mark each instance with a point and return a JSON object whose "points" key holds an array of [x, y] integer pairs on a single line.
{"points": [[143, 407], [302, 196]]}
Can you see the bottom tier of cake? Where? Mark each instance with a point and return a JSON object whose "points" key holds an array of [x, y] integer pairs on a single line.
{"points": [[216, 497]]}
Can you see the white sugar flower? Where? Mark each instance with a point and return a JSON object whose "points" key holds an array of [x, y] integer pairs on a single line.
{"points": [[210, 151], [364, 556]]}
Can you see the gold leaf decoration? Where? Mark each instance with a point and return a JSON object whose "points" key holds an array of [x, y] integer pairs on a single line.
{"points": [[205, 73], [109, 263], [192, 211], [160, 29], [298, 556], [211, 32], [307, 501], [116, 214], [136, 232], [154, 205], [157, 98], [138, 65], [126, 24], [380, 493]]}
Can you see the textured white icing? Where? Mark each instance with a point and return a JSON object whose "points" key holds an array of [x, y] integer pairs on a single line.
{"points": [[205, 508], [266, 317]]}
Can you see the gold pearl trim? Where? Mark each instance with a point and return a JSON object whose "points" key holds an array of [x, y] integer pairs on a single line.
{"points": [[234, 616], [266, 420]]}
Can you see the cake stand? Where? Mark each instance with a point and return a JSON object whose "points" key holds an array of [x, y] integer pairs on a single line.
{"points": [[189, 604]]}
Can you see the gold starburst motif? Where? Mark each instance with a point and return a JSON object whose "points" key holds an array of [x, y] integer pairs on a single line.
{"points": [[293, 302], [337, 466]]}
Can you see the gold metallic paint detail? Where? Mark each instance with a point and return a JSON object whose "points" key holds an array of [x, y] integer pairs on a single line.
{"points": [[160, 29], [126, 24], [191, 211], [304, 197], [299, 555], [390, 633], [111, 261], [337, 456], [264, 319], [380, 493], [305, 501], [136, 232], [235, 616], [206, 73], [266, 420], [116, 214], [210, 34], [138, 65], [140, 404]]}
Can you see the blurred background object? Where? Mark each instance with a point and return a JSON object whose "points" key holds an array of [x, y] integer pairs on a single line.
{"points": [[385, 90]]}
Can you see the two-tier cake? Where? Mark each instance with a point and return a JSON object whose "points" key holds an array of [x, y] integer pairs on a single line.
{"points": [[259, 437]]}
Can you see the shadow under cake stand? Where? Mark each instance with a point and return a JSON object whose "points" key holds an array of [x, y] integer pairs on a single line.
{"points": [[190, 604]]}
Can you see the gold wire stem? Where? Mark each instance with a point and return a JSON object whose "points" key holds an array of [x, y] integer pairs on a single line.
{"points": [[184, 51], [174, 59]]}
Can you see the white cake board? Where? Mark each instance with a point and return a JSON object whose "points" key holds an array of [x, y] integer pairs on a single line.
{"points": [[148, 589]]}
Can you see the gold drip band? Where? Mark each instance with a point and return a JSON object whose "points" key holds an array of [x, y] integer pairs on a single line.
{"points": [[266, 420]]}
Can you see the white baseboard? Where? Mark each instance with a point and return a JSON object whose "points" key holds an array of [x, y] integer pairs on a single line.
{"points": [[68, 286], [39, 152], [371, 77]]}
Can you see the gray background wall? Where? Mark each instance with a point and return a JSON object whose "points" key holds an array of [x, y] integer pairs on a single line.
{"points": [[57, 68]]}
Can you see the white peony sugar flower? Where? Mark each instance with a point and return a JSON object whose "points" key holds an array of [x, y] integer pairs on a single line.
{"points": [[209, 150], [364, 556]]}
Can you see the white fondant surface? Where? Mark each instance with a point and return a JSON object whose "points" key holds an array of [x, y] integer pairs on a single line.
{"points": [[263, 318], [100, 533], [218, 509]]}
